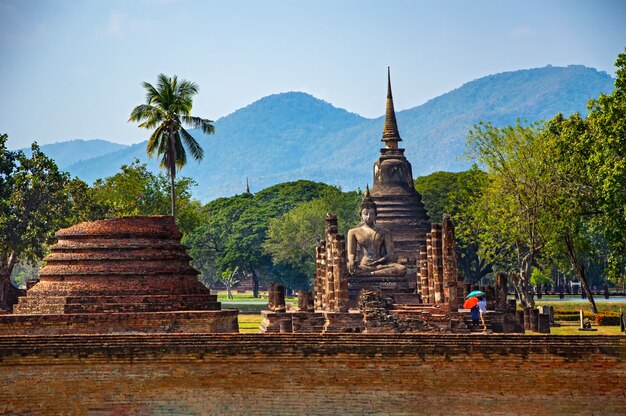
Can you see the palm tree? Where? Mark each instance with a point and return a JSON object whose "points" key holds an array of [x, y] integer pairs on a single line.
{"points": [[167, 108]]}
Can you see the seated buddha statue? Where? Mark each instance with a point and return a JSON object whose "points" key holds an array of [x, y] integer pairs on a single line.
{"points": [[376, 243]]}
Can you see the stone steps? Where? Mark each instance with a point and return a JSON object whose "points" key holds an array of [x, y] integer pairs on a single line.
{"points": [[241, 344], [117, 304]]}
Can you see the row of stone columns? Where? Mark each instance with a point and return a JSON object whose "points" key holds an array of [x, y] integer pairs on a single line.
{"points": [[438, 277], [331, 275]]}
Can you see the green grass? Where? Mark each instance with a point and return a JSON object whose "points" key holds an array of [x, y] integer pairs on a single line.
{"points": [[246, 297], [575, 305], [249, 324], [573, 330]]}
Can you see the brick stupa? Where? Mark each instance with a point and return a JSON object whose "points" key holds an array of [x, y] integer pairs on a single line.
{"points": [[399, 205], [128, 274]]}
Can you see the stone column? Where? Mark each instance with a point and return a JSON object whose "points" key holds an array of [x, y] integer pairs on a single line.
{"points": [[276, 298], [490, 294], [527, 319], [305, 301], [320, 274], [331, 230], [437, 262], [543, 323], [450, 270], [340, 273], [423, 261], [501, 284], [534, 319], [429, 268]]}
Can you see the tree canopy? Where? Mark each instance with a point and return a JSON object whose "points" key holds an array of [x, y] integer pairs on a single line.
{"points": [[236, 229], [36, 199]]}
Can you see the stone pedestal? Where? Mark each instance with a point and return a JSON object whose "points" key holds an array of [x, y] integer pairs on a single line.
{"points": [[343, 322], [382, 283], [273, 321]]}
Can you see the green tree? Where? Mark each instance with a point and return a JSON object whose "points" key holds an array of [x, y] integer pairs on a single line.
{"points": [[168, 107], [605, 144], [236, 229], [230, 279], [436, 189], [292, 237], [512, 206], [459, 194], [36, 199], [137, 191]]}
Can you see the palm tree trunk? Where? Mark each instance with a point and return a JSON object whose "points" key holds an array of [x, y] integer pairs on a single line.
{"points": [[172, 168]]}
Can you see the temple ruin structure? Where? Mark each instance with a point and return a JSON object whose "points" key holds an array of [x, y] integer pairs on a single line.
{"points": [[402, 273], [128, 274]]}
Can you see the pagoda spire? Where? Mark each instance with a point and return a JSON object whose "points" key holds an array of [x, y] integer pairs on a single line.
{"points": [[391, 136], [247, 187]]}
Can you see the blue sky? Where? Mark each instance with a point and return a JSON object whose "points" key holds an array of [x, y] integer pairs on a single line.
{"points": [[72, 69]]}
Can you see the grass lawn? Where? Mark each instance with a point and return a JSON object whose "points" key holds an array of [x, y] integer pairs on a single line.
{"points": [[575, 305], [249, 324], [573, 330], [247, 297]]}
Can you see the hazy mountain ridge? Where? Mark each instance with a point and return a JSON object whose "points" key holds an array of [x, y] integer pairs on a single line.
{"points": [[68, 153], [290, 136]]}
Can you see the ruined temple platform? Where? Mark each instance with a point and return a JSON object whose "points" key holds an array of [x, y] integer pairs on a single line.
{"points": [[128, 274]]}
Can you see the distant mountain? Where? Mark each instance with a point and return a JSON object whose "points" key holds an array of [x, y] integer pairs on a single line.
{"points": [[68, 153], [290, 136]]}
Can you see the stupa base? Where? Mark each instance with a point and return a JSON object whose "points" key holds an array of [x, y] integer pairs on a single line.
{"points": [[216, 321]]}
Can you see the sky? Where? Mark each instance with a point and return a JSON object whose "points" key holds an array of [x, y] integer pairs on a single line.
{"points": [[72, 69]]}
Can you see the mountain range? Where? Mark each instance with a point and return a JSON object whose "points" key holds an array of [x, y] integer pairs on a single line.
{"points": [[293, 135]]}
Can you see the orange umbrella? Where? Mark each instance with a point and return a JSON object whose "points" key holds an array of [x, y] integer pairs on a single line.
{"points": [[470, 303]]}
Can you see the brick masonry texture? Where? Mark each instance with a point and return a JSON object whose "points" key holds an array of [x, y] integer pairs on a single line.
{"points": [[193, 374]]}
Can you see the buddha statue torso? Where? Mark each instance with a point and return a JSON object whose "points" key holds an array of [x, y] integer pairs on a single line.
{"points": [[376, 244]]}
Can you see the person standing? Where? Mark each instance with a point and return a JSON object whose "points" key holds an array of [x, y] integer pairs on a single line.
{"points": [[482, 309], [474, 311]]}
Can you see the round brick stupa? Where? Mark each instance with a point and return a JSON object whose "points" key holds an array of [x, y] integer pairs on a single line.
{"points": [[128, 274]]}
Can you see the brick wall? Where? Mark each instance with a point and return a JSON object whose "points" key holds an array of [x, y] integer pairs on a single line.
{"points": [[188, 374]]}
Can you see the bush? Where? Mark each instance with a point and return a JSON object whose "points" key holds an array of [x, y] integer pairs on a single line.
{"points": [[565, 315], [608, 319]]}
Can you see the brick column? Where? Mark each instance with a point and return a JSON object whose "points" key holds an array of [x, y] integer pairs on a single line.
{"points": [[340, 273], [423, 262], [276, 297], [320, 275], [331, 230], [437, 262], [501, 284], [450, 270], [429, 268]]}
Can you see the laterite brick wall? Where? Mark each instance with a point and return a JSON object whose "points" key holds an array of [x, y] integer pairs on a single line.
{"points": [[186, 374]]}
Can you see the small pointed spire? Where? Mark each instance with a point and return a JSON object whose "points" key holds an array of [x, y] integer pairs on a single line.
{"points": [[367, 190], [247, 187], [391, 136]]}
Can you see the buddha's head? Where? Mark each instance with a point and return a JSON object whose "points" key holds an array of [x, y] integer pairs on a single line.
{"points": [[368, 209], [368, 216]]}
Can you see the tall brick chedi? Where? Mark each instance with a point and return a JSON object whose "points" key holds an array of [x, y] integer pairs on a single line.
{"points": [[400, 207], [129, 270]]}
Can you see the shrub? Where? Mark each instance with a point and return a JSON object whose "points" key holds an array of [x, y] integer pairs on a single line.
{"points": [[565, 315], [608, 319]]}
